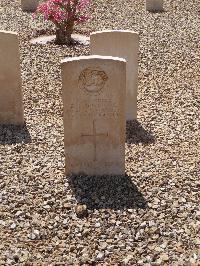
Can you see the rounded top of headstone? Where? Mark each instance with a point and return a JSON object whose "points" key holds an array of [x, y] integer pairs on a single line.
{"points": [[89, 57], [114, 31]]}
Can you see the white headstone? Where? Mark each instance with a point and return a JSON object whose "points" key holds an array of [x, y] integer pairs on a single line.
{"points": [[29, 5], [94, 114], [11, 105], [124, 44], [154, 5]]}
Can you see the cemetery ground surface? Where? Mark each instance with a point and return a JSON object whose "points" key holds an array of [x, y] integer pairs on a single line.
{"points": [[148, 217]]}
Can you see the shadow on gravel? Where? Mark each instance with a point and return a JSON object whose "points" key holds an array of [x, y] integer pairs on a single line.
{"points": [[135, 133], [113, 192], [158, 11], [10, 134]]}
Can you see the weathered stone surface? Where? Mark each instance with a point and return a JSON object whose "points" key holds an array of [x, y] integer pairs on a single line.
{"points": [[11, 106], [154, 5], [94, 114], [125, 44], [29, 5]]}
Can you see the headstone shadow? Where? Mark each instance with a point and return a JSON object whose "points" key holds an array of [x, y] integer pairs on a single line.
{"points": [[107, 192], [10, 134], [158, 11], [135, 133]]}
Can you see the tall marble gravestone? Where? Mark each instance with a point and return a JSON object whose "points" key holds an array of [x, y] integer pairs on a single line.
{"points": [[94, 114], [124, 44], [11, 104], [154, 5]]}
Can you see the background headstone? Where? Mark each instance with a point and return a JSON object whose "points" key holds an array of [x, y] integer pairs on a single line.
{"points": [[29, 5], [11, 105], [94, 114], [154, 5], [124, 44]]}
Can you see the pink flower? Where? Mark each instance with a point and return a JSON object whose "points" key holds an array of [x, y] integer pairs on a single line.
{"points": [[61, 11], [82, 19]]}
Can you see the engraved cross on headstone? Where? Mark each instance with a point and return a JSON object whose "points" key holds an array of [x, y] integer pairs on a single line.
{"points": [[94, 135]]}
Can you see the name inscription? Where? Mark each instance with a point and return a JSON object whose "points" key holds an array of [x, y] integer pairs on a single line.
{"points": [[92, 164], [99, 108]]}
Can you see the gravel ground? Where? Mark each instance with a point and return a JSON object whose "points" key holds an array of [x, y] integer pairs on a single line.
{"points": [[150, 216]]}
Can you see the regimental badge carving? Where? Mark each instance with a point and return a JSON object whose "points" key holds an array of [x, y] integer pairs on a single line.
{"points": [[92, 80]]}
